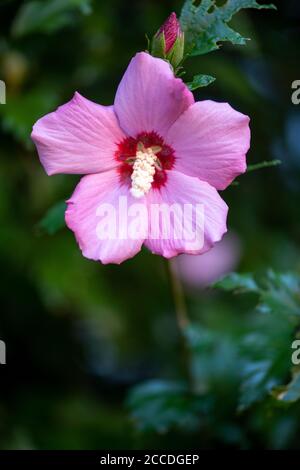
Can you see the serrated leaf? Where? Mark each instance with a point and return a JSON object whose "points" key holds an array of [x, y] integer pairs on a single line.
{"points": [[154, 388], [160, 405], [280, 294], [54, 219], [265, 351], [266, 356], [256, 382], [237, 282], [206, 25], [47, 16], [200, 81]]}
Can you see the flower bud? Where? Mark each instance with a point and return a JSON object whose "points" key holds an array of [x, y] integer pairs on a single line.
{"points": [[168, 42]]}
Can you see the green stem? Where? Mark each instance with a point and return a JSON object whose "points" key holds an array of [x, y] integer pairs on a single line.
{"points": [[182, 320], [258, 166], [178, 296], [265, 164]]}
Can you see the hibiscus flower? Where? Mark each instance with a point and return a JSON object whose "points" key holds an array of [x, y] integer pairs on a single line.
{"points": [[154, 146]]}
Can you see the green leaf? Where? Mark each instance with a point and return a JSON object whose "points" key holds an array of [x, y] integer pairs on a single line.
{"points": [[243, 367], [160, 405], [266, 355], [280, 295], [54, 219], [266, 350], [200, 81], [278, 292], [259, 378], [206, 25], [47, 16], [237, 282]]}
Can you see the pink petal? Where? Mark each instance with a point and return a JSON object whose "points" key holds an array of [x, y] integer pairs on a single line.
{"points": [[149, 98], [187, 192], [79, 137], [99, 203], [211, 141]]}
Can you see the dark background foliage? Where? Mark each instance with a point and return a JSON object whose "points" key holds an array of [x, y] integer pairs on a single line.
{"points": [[80, 336]]}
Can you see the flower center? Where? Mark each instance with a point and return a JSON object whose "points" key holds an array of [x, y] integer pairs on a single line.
{"points": [[143, 173], [144, 161]]}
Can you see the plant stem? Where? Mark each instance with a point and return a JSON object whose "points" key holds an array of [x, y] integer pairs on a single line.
{"points": [[182, 320], [258, 166], [265, 164], [178, 296]]}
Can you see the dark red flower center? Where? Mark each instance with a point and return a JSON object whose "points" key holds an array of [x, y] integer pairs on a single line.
{"points": [[128, 149]]}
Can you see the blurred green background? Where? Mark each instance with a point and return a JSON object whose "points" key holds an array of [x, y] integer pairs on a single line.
{"points": [[82, 337]]}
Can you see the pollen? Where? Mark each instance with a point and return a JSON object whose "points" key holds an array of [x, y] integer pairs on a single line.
{"points": [[144, 168], [143, 162]]}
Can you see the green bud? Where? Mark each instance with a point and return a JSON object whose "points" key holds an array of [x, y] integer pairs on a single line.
{"points": [[168, 42]]}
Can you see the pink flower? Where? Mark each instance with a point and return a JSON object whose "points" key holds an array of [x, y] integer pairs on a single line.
{"points": [[154, 146]]}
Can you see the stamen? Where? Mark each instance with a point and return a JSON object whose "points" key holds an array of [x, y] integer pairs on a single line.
{"points": [[143, 161], [143, 171]]}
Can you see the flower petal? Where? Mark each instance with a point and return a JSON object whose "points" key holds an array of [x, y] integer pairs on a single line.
{"points": [[149, 97], [198, 221], [102, 215], [211, 141], [79, 137]]}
